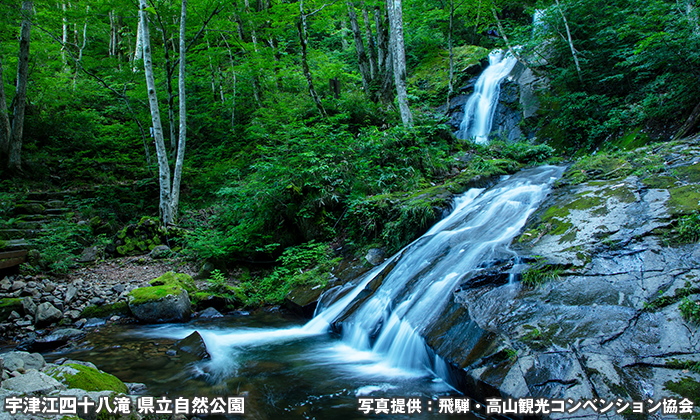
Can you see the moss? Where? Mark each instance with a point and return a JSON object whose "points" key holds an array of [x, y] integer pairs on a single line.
{"points": [[169, 284], [659, 182], [689, 173], [686, 387], [621, 193], [431, 77], [88, 378], [632, 140], [684, 200], [175, 279], [154, 293], [555, 218], [586, 202], [105, 311], [7, 305], [599, 166]]}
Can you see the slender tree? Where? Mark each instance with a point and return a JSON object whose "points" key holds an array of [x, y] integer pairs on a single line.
{"points": [[169, 195], [371, 55], [574, 53], [395, 10], [14, 161], [5, 127], [362, 60], [182, 98], [161, 152], [304, 40]]}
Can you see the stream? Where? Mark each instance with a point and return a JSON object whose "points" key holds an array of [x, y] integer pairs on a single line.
{"points": [[283, 371], [367, 339]]}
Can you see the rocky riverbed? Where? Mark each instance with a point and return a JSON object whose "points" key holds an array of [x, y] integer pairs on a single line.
{"points": [[34, 306], [606, 304]]}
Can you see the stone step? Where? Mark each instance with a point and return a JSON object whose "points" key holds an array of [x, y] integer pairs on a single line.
{"points": [[47, 195], [16, 244], [62, 210], [51, 204], [6, 234], [30, 224], [55, 204], [41, 217], [29, 208], [12, 258]]}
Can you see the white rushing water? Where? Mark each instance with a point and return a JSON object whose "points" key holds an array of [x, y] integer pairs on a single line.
{"points": [[383, 316], [481, 105], [414, 293]]}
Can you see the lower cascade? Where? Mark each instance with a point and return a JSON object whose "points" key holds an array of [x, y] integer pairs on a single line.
{"points": [[382, 317], [390, 307], [481, 105]]}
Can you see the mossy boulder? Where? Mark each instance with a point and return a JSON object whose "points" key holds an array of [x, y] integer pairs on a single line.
{"points": [[7, 305], [166, 300], [75, 375], [106, 311], [143, 237], [171, 278]]}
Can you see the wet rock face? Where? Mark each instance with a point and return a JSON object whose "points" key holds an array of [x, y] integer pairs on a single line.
{"points": [[191, 348], [171, 308], [517, 102], [605, 321]]}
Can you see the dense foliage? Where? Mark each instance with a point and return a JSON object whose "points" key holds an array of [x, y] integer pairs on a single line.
{"points": [[265, 170]]}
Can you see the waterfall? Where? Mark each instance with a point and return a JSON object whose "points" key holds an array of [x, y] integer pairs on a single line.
{"points": [[481, 105], [384, 314], [390, 307]]}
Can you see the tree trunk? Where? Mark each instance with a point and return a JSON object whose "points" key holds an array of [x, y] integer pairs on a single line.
{"points": [[111, 48], [384, 59], [505, 39], [14, 161], [211, 74], [304, 63], [362, 61], [689, 123], [372, 57], [254, 39], [382, 42], [5, 127], [64, 38], [177, 176], [399, 58], [163, 167], [571, 42], [138, 49], [274, 44], [169, 71], [82, 48], [692, 15]]}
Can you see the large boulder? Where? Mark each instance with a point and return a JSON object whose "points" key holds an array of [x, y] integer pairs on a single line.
{"points": [[32, 383], [46, 313], [88, 378], [21, 361], [149, 305], [166, 300], [191, 348], [55, 339]]}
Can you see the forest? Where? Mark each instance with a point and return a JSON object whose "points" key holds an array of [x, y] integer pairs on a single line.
{"points": [[276, 136]]}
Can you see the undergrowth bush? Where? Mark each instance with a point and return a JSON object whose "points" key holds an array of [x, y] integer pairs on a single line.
{"points": [[60, 243], [308, 263], [689, 228], [540, 272]]}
